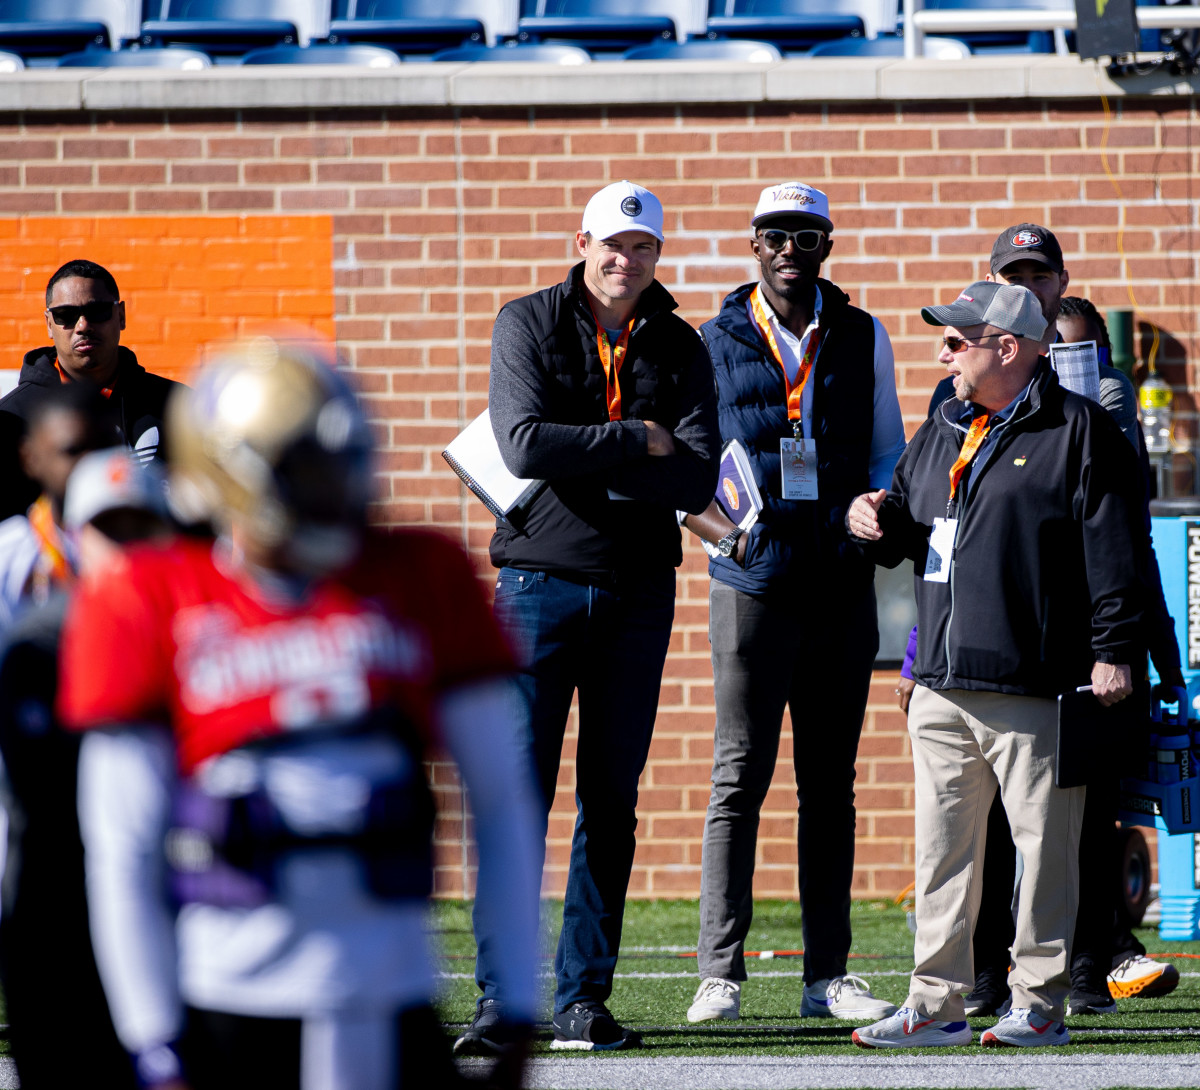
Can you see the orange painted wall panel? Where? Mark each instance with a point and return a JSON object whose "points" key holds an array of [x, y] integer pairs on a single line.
{"points": [[187, 280]]}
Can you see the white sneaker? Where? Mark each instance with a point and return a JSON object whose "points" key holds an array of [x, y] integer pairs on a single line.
{"points": [[843, 997], [1142, 976], [1022, 1028], [907, 1029], [716, 998]]}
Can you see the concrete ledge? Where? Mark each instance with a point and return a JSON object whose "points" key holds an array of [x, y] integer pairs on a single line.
{"points": [[599, 84]]}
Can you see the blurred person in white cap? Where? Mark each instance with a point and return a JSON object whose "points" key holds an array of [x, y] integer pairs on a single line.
{"points": [[36, 557], [46, 959], [600, 390], [806, 383], [255, 711], [1020, 505]]}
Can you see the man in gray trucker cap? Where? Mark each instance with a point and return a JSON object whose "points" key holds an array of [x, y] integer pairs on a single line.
{"points": [[1019, 505]]}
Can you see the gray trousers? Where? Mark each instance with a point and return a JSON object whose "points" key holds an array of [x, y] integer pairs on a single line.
{"points": [[812, 655]]}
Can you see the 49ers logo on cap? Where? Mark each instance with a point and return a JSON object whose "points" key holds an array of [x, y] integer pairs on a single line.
{"points": [[1026, 238], [631, 206]]}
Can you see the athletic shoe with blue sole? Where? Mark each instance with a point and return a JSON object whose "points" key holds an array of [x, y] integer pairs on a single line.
{"points": [[1023, 1028], [908, 1029]]}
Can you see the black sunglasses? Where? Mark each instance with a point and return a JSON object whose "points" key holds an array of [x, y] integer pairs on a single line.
{"points": [[68, 317], [776, 238]]}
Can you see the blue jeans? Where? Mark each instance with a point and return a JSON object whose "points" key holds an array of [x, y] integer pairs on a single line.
{"points": [[609, 644]]}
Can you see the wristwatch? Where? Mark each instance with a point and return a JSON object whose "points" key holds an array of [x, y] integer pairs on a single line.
{"points": [[727, 546]]}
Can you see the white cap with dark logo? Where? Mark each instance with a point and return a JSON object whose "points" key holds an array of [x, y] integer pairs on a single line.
{"points": [[791, 199], [623, 206], [1009, 307]]}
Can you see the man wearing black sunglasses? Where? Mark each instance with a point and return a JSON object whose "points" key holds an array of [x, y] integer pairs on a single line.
{"points": [[84, 318], [806, 384]]}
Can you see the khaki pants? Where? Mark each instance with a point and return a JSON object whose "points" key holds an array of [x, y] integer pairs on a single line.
{"points": [[964, 744]]}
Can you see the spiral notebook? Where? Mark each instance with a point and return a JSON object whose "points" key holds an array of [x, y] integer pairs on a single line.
{"points": [[475, 456]]}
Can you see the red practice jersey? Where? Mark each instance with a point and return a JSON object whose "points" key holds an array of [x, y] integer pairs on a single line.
{"points": [[174, 637]]}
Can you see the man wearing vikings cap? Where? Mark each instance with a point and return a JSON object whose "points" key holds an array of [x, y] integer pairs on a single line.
{"points": [[1019, 504], [805, 382], [600, 390]]}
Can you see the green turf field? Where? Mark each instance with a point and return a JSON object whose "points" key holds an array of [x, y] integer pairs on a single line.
{"points": [[655, 985]]}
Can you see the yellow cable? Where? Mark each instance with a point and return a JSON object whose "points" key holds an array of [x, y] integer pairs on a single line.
{"points": [[1112, 178]]}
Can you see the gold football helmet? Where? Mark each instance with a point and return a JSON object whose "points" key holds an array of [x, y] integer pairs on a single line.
{"points": [[270, 439]]}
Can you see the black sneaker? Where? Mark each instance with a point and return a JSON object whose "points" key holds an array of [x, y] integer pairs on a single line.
{"points": [[1090, 1001], [490, 1033], [991, 995], [589, 1027]]}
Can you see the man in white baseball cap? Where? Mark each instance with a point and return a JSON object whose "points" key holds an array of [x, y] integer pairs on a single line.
{"points": [[600, 390], [806, 383]]}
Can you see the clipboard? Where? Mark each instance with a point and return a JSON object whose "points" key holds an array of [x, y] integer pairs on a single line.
{"points": [[1096, 744]]}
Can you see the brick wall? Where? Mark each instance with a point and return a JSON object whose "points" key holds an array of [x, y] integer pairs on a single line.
{"points": [[438, 217]]}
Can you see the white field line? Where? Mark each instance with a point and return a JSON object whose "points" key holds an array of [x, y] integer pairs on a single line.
{"points": [[754, 975]]}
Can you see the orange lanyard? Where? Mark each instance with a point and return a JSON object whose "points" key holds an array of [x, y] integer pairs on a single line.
{"points": [[974, 440], [611, 358], [795, 391], [53, 564]]}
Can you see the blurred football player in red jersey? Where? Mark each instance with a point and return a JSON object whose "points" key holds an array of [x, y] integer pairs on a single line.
{"points": [[254, 809]]}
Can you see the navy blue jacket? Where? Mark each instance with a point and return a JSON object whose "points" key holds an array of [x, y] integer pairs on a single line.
{"points": [[797, 540]]}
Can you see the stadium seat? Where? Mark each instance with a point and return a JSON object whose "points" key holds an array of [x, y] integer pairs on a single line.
{"points": [[186, 60], [946, 49], [10, 62], [607, 26], [516, 54], [422, 26], [229, 28], [797, 25], [794, 26], [43, 30], [366, 56], [703, 50]]}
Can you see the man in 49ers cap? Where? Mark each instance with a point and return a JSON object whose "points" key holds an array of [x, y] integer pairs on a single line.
{"points": [[1030, 255]]}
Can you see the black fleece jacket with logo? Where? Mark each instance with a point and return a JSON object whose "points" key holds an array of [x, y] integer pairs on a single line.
{"points": [[1047, 571], [139, 400]]}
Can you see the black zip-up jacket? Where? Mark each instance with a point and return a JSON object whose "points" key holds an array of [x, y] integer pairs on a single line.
{"points": [[1046, 573], [139, 400], [547, 398]]}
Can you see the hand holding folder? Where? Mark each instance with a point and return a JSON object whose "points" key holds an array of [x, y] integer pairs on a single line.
{"points": [[475, 456], [1095, 743]]}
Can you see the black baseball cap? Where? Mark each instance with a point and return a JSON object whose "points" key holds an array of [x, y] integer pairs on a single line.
{"points": [[1026, 242]]}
